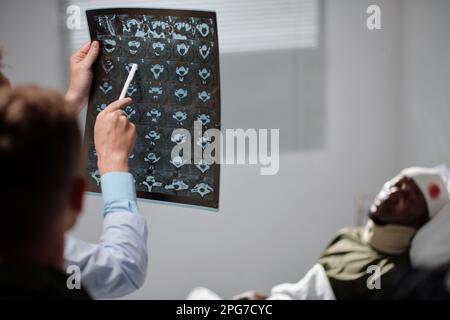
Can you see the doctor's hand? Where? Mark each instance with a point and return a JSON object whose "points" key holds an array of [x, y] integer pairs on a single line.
{"points": [[114, 137], [81, 74]]}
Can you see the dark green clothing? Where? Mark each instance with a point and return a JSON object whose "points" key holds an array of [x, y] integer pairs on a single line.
{"points": [[27, 281], [424, 284], [346, 261]]}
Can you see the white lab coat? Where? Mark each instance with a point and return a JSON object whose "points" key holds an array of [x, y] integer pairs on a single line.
{"points": [[117, 265]]}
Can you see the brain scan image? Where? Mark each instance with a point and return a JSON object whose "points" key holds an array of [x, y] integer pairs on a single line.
{"points": [[95, 174], [177, 185], [106, 87], [158, 28], [110, 45], [100, 107], [159, 48], [151, 158], [181, 95], [177, 82], [202, 189], [153, 115], [133, 46], [150, 182], [204, 75], [203, 29], [152, 136], [182, 29], [179, 117], [182, 72], [133, 26], [179, 138], [178, 161], [155, 92], [203, 118], [131, 113], [204, 51], [202, 165], [203, 141], [108, 65], [106, 25], [157, 71], [182, 50], [133, 90], [204, 96], [125, 66]]}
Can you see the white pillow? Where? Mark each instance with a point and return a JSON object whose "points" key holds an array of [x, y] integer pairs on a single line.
{"points": [[430, 247]]}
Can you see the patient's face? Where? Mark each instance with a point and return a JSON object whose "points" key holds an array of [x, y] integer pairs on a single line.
{"points": [[401, 202]]}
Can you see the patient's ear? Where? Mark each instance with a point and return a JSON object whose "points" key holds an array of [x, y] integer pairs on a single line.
{"points": [[75, 204], [4, 82], [77, 196]]}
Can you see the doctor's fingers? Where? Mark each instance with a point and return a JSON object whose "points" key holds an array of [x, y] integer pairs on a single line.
{"points": [[81, 53], [91, 55], [118, 105], [119, 116], [122, 118]]}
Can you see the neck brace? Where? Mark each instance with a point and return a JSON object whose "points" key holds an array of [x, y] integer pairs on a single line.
{"points": [[390, 239]]}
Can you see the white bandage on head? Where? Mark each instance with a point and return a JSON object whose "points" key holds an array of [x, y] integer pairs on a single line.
{"points": [[432, 184]]}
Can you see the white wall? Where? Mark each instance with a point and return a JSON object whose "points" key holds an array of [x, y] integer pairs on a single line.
{"points": [[269, 229], [30, 35], [426, 76]]}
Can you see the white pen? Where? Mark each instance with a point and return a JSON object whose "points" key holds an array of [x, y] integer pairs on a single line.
{"points": [[127, 83]]}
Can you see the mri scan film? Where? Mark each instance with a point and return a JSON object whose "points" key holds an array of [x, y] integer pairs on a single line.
{"points": [[176, 83]]}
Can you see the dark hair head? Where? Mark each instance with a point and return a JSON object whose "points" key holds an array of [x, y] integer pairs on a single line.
{"points": [[40, 148]]}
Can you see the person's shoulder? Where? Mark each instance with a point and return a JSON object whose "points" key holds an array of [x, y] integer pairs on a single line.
{"points": [[32, 281]]}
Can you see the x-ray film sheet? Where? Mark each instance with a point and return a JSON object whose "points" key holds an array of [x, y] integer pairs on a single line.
{"points": [[177, 83]]}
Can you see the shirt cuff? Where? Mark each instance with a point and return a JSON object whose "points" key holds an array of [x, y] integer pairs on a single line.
{"points": [[119, 192]]}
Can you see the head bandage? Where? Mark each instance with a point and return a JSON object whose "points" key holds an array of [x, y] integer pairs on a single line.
{"points": [[432, 183]]}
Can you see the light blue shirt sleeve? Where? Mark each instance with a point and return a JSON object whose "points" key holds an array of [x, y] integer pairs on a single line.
{"points": [[119, 193], [118, 264]]}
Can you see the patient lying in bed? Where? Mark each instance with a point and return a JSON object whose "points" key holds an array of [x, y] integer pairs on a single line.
{"points": [[369, 262]]}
